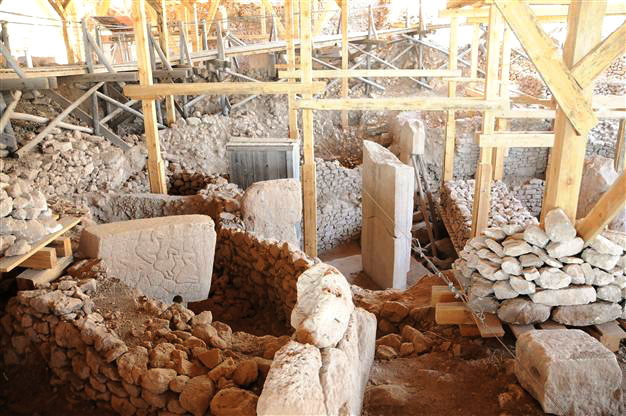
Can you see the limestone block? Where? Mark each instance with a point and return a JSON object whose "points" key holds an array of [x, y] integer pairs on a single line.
{"points": [[577, 295], [558, 226], [596, 259], [387, 216], [163, 257], [569, 372], [292, 386], [522, 311], [322, 312], [412, 138], [553, 278], [584, 315], [565, 248], [273, 209]]}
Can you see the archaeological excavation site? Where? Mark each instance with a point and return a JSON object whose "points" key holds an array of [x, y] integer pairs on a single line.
{"points": [[312, 207]]}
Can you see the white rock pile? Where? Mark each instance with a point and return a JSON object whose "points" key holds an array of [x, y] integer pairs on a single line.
{"points": [[531, 275], [24, 216]]}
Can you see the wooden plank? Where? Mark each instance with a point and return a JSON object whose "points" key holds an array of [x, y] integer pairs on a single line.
{"points": [[42, 120], [609, 205], [489, 327], [469, 330], [520, 329], [450, 139], [482, 189], [309, 194], [453, 313], [9, 263], [39, 83], [156, 172], [500, 152], [345, 59], [609, 334], [547, 59], [619, 159], [380, 73], [551, 325], [35, 279], [567, 157], [403, 103], [42, 134], [62, 245], [515, 139], [600, 57], [291, 62], [441, 294], [44, 258], [150, 92]]}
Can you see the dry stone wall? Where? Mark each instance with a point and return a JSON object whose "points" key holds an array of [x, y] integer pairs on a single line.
{"points": [[178, 363], [530, 194], [338, 204], [529, 275], [456, 201]]}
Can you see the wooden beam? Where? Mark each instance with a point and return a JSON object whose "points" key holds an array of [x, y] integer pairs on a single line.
{"points": [[215, 88], [620, 147], [39, 83], [474, 52], [449, 144], [499, 153], [515, 139], [164, 36], [607, 207], [291, 61], [43, 120], [567, 157], [156, 171], [44, 258], [123, 106], [276, 19], [403, 103], [345, 58], [9, 263], [35, 279], [547, 59], [42, 134], [374, 73], [309, 197], [482, 189], [8, 111], [600, 57], [453, 313], [62, 245]]}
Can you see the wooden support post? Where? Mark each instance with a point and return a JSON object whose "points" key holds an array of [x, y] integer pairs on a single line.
{"points": [[204, 35], [448, 158], [263, 18], [474, 51], [152, 57], [620, 147], [156, 172], [482, 191], [499, 153], [8, 111], [565, 167], [308, 167], [609, 204], [170, 112], [345, 57], [195, 40], [7, 136], [291, 62], [95, 115], [62, 246], [212, 11]]}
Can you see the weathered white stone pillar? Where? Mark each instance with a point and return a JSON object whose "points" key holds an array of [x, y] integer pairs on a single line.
{"points": [[387, 216]]}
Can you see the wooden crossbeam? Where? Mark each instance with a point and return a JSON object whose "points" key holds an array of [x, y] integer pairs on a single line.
{"points": [[44, 258], [600, 57], [515, 139], [609, 204], [34, 279], [215, 88], [383, 73], [547, 59], [62, 245], [403, 103], [22, 151], [453, 313]]}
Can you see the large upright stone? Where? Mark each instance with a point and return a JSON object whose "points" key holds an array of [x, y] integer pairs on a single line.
{"points": [[558, 226], [322, 312], [292, 386], [412, 138], [569, 373], [273, 209], [387, 216], [164, 257]]}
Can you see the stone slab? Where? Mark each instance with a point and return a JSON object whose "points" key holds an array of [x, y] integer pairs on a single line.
{"points": [[569, 372], [163, 257], [387, 216]]}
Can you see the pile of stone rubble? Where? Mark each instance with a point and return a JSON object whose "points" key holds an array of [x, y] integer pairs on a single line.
{"points": [[457, 198], [531, 275], [24, 216]]}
